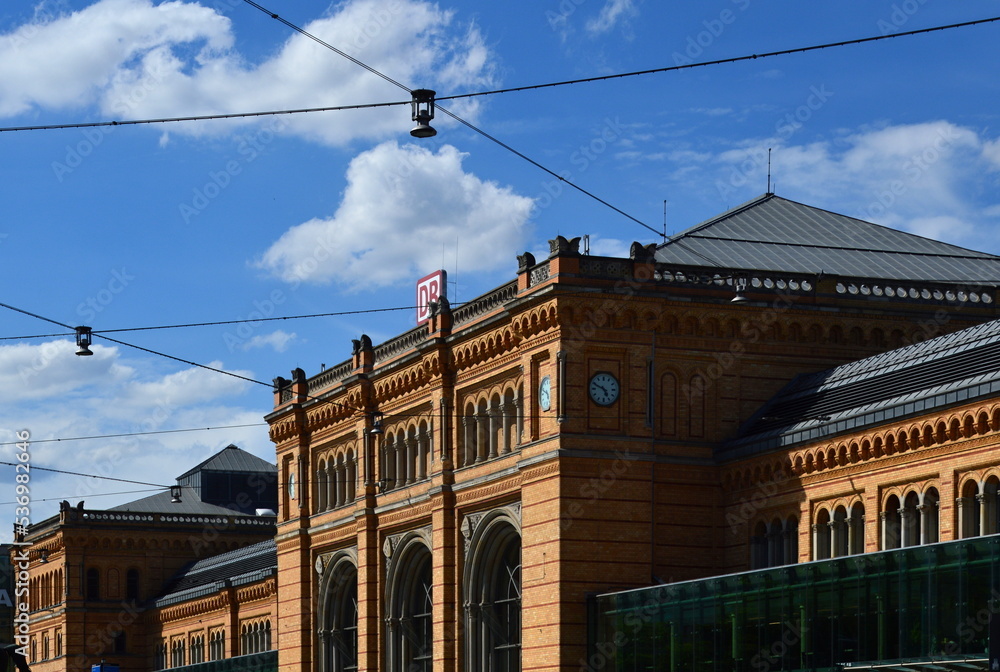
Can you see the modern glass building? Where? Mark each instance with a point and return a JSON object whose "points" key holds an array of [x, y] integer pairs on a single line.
{"points": [[918, 608]]}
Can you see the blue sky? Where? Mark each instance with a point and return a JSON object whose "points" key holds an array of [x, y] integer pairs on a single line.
{"points": [[177, 223]]}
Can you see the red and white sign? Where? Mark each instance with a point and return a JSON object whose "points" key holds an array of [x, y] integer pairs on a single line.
{"points": [[430, 288]]}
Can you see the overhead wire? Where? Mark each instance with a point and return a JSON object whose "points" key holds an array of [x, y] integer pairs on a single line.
{"points": [[127, 434], [474, 94], [454, 116]]}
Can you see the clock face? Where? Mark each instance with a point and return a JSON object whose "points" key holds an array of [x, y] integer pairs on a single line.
{"points": [[545, 394], [604, 389]]}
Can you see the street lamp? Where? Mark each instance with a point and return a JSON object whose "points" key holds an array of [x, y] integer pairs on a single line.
{"points": [[423, 112]]}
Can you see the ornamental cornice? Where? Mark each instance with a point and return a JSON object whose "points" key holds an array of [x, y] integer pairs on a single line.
{"points": [[257, 591], [535, 473], [205, 605], [508, 486], [869, 438], [418, 511]]}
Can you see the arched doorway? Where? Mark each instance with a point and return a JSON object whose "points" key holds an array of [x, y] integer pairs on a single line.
{"points": [[338, 634], [409, 619], [493, 594]]}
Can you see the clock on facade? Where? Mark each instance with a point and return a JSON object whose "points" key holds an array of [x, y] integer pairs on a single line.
{"points": [[545, 394], [604, 389]]}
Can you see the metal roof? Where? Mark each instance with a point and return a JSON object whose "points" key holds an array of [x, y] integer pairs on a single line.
{"points": [[244, 565], [770, 233], [912, 380], [232, 458], [190, 503]]}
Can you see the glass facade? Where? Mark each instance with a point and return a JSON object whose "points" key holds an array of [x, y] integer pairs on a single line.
{"points": [[920, 602], [255, 662]]}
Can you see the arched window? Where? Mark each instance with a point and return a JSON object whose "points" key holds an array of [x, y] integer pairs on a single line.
{"points": [[910, 519], [321, 491], [856, 529], [891, 524], [493, 596], [132, 584], [93, 584], [822, 546], [338, 639], [758, 547], [410, 599], [217, 645]]}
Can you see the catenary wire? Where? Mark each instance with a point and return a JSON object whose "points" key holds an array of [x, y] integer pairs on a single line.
{"points": [[76, 473], [127, 434], [88, 495], [529, 87]]}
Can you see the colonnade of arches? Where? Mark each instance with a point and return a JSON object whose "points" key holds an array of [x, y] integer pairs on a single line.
{"points": [[406, 455], [979, 507], [774, 544], [336, 480], [490, 604], [492, 426], [910, 517]]}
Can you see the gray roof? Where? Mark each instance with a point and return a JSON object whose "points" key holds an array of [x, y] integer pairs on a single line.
{"points": [[770, 233], [914, 380], [190, 503], [232, 458], [203, 577]]}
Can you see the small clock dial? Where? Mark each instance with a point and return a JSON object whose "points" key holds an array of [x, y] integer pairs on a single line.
{"points": [[545, 394], [604, 389]]}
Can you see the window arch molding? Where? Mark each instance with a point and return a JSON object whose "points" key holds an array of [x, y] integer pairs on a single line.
{"points": [[338, 608], [491, 585], [409, 599]]}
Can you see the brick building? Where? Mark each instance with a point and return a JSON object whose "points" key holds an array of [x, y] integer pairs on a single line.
{"points": [[453, 495], [180, 577]]}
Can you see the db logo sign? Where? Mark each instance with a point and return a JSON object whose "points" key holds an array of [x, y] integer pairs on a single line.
{"points": [[430, 288]]}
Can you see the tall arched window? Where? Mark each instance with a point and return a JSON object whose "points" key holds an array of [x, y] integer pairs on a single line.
{"points": [[493, 595], [132, 584], [410, 598], [93, 584], [338, 636]]}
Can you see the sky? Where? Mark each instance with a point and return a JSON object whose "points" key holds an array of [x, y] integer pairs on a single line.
{"points": [[129, 226]]}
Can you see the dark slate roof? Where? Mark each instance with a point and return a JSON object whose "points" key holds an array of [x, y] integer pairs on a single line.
{"points": [[232, 458], [190, 503], [204, 577], [771, 233], [913, 380]]}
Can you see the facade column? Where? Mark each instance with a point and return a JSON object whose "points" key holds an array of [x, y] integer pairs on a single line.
{"points": [[884, 520], [335, 481], [518, 418], [905, 533], [506, 424], [851, 524], [400, 462], [983, 515], [406, 450], [923, 520], [835, 532], [493, 415], [468, 427], [481, 438], [423, 448], [962, 503], [815, 549]]}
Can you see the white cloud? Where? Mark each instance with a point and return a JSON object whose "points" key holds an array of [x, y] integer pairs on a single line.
{"points": [[916, 177], [612, 13], [135, 59], [53, 394], [403, 205], [279, 340]]}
